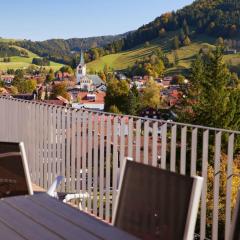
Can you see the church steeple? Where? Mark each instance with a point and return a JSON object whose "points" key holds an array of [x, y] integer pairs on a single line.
{"points": [[82, 62], [81, 69]]}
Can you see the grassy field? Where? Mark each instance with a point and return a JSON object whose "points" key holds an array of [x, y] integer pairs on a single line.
{"points": [[7, 40], [121, 61], [23, 62], [232, 59]]}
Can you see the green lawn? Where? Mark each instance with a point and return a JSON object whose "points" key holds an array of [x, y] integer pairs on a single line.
{"points": [[24, 62], [232, 59], [121, 60], [7, 40]]}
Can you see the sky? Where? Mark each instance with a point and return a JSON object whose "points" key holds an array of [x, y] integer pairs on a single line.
{"points": [[45, 19]]}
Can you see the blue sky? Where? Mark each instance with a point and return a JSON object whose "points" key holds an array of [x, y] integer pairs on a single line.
{"points": [[44, 19]]}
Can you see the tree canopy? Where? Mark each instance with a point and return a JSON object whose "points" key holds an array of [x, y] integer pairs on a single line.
{"points": [[213, 101]]}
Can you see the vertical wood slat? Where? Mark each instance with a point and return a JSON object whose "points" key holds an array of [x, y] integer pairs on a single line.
{"points": [[79, 151], [229, 185], [37, 144], [16, 131], [63, 146], [138, 140], [115, 161], [154, 144], [108, 166], [49, 146], [130, 137], [73, 152], [33, 139], [173, 148], [183, 150], [95, 167], [68, 148], [89, 163], [122, 141], [163, 145], [54, 142], [194, 151], [204, 190], [146, 142], [84, 159], [216, 184], [41, 147], [101, 171], [58, 147], [45, 146]]}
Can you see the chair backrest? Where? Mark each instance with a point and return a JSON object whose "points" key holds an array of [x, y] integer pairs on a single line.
{"points": [[157, 204], [14, 172], [235, 229]]}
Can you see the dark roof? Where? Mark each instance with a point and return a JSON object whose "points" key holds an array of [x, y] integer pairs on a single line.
{"points": [[24, 96]]}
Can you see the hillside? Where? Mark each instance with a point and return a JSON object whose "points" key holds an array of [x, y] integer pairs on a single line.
{"points": [[216, 18], [202, 22], [19, 57], [64, 51], [123, 59]]}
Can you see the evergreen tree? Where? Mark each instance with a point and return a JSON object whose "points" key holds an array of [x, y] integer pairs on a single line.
{"points": [[175, 58], [186, 41], [50, 76], [211, 100], [176, 43], [220, 41], [186, 28], [182, 35], [133, 101], [114, 109]]}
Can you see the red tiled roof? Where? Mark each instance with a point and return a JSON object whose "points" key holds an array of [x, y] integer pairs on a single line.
{"points": [[99, 97]]}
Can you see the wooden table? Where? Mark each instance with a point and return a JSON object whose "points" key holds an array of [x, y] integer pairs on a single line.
{"points": [[40, 217]]}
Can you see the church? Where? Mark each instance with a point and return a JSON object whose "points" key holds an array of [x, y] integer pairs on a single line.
{"points": [[86, 82]]}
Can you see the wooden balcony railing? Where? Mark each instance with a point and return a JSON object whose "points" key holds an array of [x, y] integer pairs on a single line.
{"points": [[88, 147]]}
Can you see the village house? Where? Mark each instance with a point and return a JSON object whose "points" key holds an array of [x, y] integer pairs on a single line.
{"points": [[92, 101], [121, 76], [136, 78], [7, 79], [62, 76], [140, 84], [59, 101], [164, 114]]}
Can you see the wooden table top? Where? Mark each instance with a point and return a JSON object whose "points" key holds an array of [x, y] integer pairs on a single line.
{"points": [[40, 217]]}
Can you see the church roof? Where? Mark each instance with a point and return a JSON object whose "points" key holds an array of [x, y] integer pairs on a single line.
{"points": [[97, 81]]}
